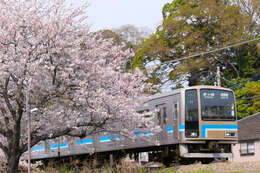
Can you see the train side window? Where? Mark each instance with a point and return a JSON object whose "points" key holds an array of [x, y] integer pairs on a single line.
{"points": [[146, 113], [161, 114], [175, 111]]}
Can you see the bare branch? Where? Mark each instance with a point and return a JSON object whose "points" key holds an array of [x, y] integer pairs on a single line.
{"points": [[7, 101], [4, 148]]}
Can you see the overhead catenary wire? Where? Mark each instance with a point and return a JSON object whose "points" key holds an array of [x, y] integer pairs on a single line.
{"points": [[215, 50]]}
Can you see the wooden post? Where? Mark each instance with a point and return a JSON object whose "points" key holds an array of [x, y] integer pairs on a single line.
{"points": [[165, 155], [95, 160], [111, 162], [165, 152]]}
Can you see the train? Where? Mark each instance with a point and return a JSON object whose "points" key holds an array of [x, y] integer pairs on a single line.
{"points": [[198, 122]]}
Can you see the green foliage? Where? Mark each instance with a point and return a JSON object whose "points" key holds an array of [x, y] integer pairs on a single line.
{"points": [[167, 171], [82, 44], [247, 97], [65, 170], [247, 61], [193, 26]]}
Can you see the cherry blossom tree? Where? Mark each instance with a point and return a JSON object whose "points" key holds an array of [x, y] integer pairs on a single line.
{"points": [[76, 81]]}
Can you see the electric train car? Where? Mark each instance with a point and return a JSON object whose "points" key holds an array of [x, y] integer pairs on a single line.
{"points": [[196, 122]]}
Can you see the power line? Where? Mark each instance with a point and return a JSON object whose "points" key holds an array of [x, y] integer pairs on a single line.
{"points": [[211, 51]]}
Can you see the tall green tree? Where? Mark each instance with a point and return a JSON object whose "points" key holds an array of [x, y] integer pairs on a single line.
{"points": [[248, 96], [251, 8], [193, 26]]}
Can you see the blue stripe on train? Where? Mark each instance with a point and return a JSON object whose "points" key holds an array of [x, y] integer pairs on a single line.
{"points": [[85, 141], [147, 133], [105, 139], [55, 146], [206, 127], [109, 138], [181, 127], [170, 129], [138, 133], [40, 148], [118, 137]]}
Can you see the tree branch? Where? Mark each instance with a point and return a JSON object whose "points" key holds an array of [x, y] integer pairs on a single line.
{"points": [[4, 148], [7, 102]]}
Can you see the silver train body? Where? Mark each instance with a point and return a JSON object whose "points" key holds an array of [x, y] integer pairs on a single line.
{"points": [[196, 122]]}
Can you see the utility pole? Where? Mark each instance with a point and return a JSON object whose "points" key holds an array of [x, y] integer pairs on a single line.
{"points": [[218, 76], [27, 102]]}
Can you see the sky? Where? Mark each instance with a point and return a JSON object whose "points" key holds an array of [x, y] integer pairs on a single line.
{"points": [[107, 14]]}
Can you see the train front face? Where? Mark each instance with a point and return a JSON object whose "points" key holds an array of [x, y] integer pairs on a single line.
{"points": [[209, 123]]}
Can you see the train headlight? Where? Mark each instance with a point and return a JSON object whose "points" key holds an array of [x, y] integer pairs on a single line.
{"points": [[193, 134], [230, 134]]}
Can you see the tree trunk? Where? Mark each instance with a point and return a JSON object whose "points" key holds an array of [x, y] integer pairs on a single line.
{"points": [[13, 161], [14, 153]]}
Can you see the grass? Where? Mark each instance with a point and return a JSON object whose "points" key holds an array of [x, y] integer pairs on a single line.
{"points": [[65, 169], [126, 167], [201, 171], [122, 170]]}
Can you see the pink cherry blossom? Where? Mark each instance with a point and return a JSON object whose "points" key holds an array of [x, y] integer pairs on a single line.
{"points": [[77, 81]]}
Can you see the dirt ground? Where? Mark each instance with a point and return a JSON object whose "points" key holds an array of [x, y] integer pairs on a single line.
{"points": [[227, 167]]}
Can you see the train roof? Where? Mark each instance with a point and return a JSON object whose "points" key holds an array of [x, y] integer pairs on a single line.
{"points": [[160, 95], [176, 91]]}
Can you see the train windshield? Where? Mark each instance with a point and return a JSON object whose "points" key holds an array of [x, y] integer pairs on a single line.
{"points": [[217, 105]]}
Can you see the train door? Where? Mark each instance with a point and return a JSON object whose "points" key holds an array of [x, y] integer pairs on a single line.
{"points": [[191, 114], [162, 120], [175, 117]]}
